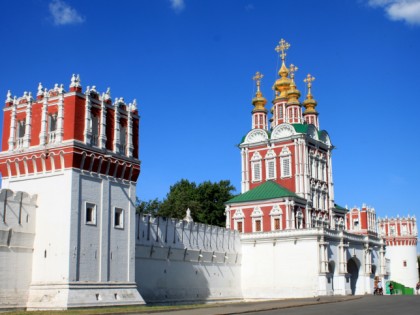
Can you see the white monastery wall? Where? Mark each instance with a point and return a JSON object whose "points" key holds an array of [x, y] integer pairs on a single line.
{"points": [[403, 266], [77, 263], [17, 232], [185, 261], [277, 267]]}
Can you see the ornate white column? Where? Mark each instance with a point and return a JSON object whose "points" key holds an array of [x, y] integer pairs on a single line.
{"points": [[102, 133], [43, 132], [28, 123], [243, 170], [12, 137], [246, 170], [116, 126], [130, 129], [60, 116], [330, 181], [87, 133]]}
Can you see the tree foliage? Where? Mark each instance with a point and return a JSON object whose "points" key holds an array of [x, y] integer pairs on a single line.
{"points": [[206, 201]]}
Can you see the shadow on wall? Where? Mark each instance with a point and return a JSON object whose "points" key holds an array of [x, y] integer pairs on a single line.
{"points": [[353, 266], [179, 261]]}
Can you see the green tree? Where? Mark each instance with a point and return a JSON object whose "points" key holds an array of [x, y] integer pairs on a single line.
{"points": [[147, 207], [206, 201], [182, 195], [212, 197]]}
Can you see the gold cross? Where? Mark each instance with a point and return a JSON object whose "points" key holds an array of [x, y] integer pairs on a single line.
{"points": [[292, 70], [282, 46], [257, 78], [309, 79]]}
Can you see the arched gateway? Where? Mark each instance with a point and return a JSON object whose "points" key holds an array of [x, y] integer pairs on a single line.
{"points": [[353, 266]]}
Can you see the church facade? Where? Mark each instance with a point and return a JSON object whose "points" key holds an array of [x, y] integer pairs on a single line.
{"points": [[70, 237]]}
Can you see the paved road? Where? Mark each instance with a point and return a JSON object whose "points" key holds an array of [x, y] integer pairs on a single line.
{"points": [[368, 305], [365, 305]]}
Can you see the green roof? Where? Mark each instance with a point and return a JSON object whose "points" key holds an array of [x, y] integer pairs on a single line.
{"points": [[267, 190], [340, 207], [300, 128]]}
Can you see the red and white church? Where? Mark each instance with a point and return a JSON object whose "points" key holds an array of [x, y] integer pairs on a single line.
{"points": [[292, 228]]}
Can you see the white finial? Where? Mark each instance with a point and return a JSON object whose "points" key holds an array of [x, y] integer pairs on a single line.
{"points": [[29, 97], [73, 80], [40, 88], [61, 89], [108, 94], [9, 97], [87, 89], [56, 87], [188, 216], [93, 89], [134, 105], [25, 94], [45, 92], [121, 100]]}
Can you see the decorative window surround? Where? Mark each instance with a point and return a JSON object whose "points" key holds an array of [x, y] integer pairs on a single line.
{"points": [[270, 165], [238, 219], [257, 220], [285, 163], [256, 167], [276, 214]]}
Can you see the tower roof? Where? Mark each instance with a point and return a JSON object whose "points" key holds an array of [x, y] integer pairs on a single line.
{"points": [[265, 191]]}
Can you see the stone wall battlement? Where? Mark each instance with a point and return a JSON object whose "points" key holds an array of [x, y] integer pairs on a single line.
{"points": [[180, 234]]}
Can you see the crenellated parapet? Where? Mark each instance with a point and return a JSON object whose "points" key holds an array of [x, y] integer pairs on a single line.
{"points": [[398, 230], [77, 128], [174, 239]]}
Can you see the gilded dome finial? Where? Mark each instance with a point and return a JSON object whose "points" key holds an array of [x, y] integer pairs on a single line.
{"points": [[293, 93], [309, 102], [282, 84], [258, 101]]}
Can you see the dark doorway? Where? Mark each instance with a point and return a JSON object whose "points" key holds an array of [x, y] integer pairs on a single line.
{"points": [[353, 269]]}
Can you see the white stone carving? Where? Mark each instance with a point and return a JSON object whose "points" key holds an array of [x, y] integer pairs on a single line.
{"points": [[270, 154], [257, 212], [283, 131], [256, 156], [255, 136], [276, 210], [238, 214]]}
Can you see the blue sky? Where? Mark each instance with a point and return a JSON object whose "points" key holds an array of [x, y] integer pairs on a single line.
{"points": [[189, 64]]}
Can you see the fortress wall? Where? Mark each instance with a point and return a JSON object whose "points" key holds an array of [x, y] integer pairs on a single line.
{"points": [[17, 233], [178, 261]]}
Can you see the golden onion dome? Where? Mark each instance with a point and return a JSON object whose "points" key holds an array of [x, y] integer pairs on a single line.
{"points": [[309, 103], [293, 93], [259, 100]]}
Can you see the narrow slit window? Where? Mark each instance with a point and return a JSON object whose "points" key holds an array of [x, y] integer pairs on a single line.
{"points": [[119, 218], [90, 213]]}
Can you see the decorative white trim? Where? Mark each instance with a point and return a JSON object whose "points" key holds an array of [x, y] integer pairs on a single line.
{"points": [[276, 213], [257, 215], [255, 136], [282, 131], [285, 163]]}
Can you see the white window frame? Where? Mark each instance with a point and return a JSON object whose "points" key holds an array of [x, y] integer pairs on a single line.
{"points": [[285, 159], [276, 213], [257, 215], [120, 212], [270, 163], [90, 205], [238, 217], [256, 163]]}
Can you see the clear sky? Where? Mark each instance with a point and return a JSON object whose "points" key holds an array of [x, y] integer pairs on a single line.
{"points": [[189, 64]]}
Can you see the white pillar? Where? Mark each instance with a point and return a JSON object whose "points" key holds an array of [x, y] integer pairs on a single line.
{"points": [[129, 132], [43, 133], [60, 116], [116, 127], [102, 133], [28, 123], [12, 137], [87, 133]]}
